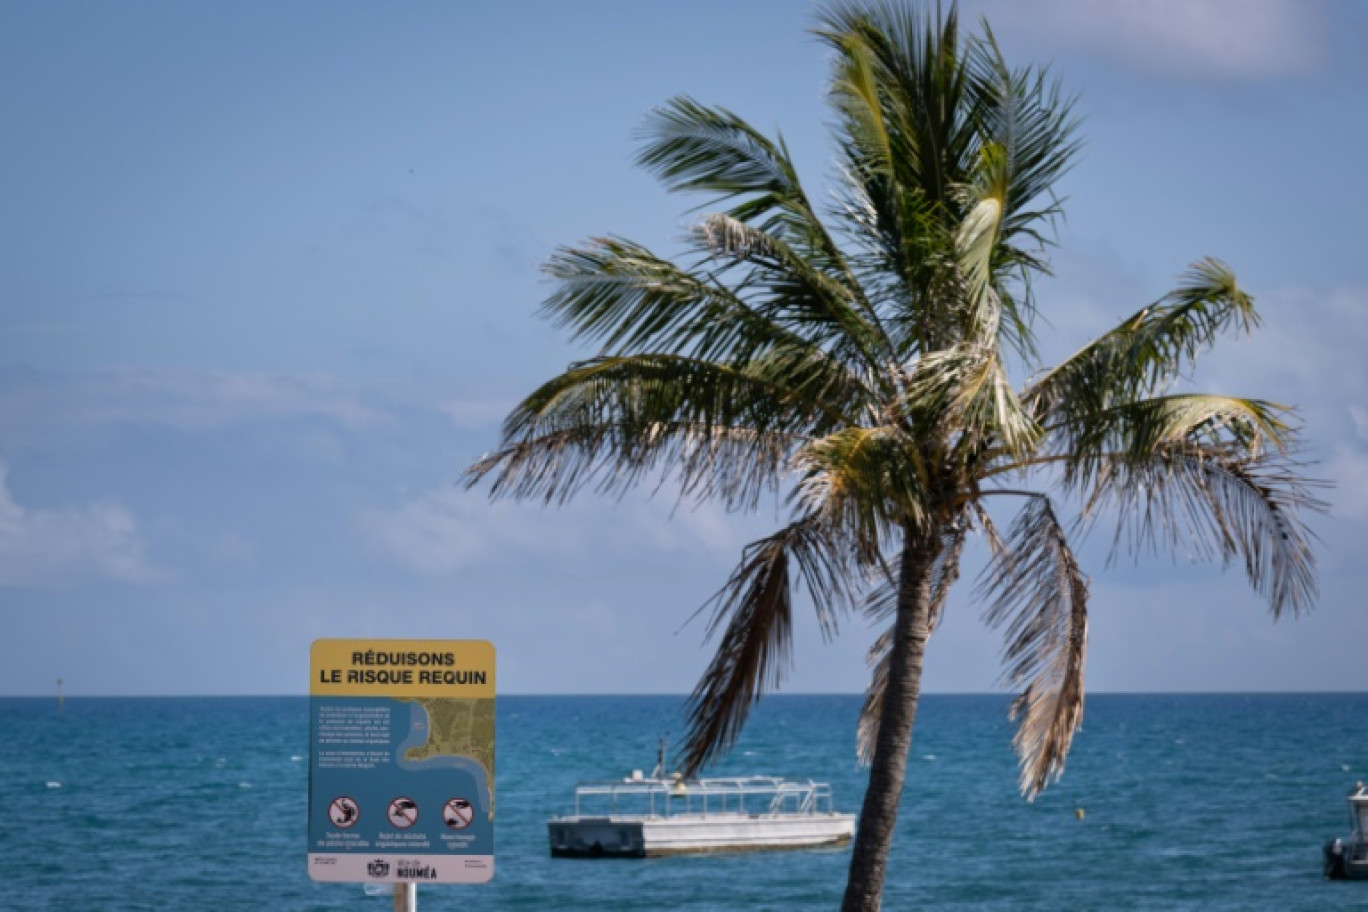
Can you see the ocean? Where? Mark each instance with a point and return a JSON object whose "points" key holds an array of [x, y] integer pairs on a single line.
{"points": [[1217, 802]]}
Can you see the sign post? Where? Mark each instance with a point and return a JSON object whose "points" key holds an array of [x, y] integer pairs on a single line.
{"points": [[401, 765]]}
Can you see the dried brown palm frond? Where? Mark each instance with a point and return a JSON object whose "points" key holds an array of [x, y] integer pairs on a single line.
{"points": [[752, 621], [1202, 502], [1041, 596]]}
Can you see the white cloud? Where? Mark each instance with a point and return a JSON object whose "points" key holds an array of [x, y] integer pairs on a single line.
{"points": [[1360, 418], [1308, 353], [1348, 469], [443, 531], [178, 398], [1239, 39], [58, 548], [434, 534]]}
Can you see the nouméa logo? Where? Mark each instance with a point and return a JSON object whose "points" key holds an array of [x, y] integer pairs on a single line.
{"points": [[414, 870], [378, 868]]}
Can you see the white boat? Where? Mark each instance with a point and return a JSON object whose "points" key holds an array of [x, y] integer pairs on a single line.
{"points": [[1349, 860], [642, 816]]}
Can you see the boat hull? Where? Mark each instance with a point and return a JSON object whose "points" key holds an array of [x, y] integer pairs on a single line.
{"points": [[1346, 861], [693, 834]]}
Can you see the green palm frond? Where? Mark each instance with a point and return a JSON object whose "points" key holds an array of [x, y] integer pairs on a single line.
{"points": [[855, 91], [1260, 505], [797, 273], [720, 431], [1025, 114], [1039, 593], [787, 287], [1130, 434], [868, 482], [753, 613], [1201, 476], [1147, 351], [621, 294], [902, 72], [914, 71], [1194, 499], [943, 141], [966, 388], [693, 147]]}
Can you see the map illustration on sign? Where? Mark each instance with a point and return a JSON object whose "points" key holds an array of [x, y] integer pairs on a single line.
{"points": [[401, 771]]}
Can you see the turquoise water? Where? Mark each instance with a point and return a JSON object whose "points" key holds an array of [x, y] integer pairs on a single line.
{"points": [[1190, 802]]}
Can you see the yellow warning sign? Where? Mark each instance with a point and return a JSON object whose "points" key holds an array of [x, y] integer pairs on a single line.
{"points": [[459, 669], [401, 761]]}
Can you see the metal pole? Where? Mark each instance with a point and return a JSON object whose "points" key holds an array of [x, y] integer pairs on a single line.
{"points": [[405, 897]]}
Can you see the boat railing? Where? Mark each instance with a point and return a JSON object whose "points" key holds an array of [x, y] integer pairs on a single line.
{"points": [[753, 795]]}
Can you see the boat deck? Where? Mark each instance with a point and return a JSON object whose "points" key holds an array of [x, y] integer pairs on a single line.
{"points": [[641, 817]]}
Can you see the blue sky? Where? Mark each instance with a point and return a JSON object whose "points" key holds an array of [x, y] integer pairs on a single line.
{"points": [[268, 282]]}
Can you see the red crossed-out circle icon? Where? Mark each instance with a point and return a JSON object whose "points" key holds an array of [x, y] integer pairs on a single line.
{"points": [[457, 813], [344, 812], [403, 813]]}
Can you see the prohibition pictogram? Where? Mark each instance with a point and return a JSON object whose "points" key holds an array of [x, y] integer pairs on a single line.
{"points": [[457, 813], [403, 813], [343, 812]]}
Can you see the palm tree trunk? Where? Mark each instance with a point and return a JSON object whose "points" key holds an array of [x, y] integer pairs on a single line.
{"points": [[879, 815]]}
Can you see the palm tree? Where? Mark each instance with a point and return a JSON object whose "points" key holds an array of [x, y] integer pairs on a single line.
{"points": [[858, 366]]}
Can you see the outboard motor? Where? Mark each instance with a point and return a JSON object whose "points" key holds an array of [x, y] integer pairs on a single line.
{"points": [[1334, 859]]}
